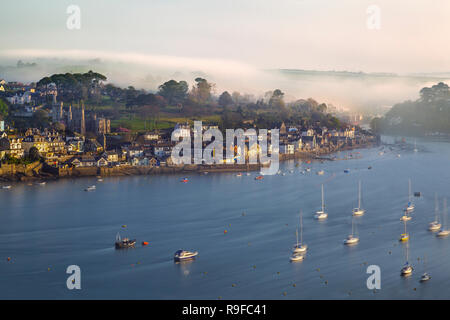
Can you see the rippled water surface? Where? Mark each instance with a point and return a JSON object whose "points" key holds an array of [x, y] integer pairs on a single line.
{"points": [[44, 229]]}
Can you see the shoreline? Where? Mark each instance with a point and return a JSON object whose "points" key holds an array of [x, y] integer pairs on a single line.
{"points": [[41, 172]]}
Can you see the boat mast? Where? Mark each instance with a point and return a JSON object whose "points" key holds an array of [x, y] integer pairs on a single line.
{"points": [[436, 207], [359, 194], [352, 226], [323, 204], [301, 228], [296, 234], [407, 255], [409, 190], [445, 213]]}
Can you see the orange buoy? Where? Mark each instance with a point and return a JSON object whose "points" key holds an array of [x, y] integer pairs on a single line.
{"points": [[144, 243], [225, 231], [9, 259]]}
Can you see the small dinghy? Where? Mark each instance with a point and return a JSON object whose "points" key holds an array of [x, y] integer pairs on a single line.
{"points": [[182, 255], [90, 188], [425, 277], [185, 180], [6, 187]]}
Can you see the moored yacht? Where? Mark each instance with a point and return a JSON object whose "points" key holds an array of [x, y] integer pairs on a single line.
{"points": [[407, 268], [321, 214], [300, 247], [444, 232], [296, 257], [404, 237], [435, 225], [359, 211], [351, 239], [410, 206]]}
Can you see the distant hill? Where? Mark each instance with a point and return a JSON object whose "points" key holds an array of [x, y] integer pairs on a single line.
{"points": [[430, 113]]}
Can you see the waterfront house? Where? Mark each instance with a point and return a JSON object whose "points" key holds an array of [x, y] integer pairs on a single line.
{"points": [[288, 148], [111, 156], [15, 147], [135, 151], [101, 162]]}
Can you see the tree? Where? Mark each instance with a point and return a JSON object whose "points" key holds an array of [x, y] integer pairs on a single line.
{"points": [[33, 154], [201, 92], [174, 92], [225, 99], [276, 101], [4, 109]]}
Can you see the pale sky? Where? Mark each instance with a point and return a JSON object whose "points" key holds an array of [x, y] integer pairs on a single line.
{"points": [[304, 34], [232, 42]]}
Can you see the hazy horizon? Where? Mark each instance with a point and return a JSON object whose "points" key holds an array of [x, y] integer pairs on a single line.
{"points": [[234, 43]]}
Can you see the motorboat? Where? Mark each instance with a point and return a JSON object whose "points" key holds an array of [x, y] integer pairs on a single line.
{"points": [[124, 243], [90, 188], [182, 255]]}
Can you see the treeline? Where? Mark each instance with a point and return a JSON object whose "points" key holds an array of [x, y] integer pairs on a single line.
{"points": [[429, 113], [176, 97]]}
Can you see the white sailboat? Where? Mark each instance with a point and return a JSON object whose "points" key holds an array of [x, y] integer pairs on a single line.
{"points": [[321, 214], [435, 225], [359, 211], [425, 276], [351, 239], [444, 232], [415, 146], [300, 247], [410, 205], [407, 268]]}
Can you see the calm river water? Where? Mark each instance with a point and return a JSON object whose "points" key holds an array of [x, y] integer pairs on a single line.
{"points": [[44, 229]]}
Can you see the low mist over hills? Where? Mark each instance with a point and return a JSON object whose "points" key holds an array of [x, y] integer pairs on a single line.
{"points": [[368, 93]]}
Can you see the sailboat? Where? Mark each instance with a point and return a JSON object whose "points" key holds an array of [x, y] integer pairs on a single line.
{"points": [[404, 237], [435, 225], [415, 146], [358, 211], [321, 215], [425, 276], [300, 248], [351, 239], [407, 268], [410, 205], [444, 232]]}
